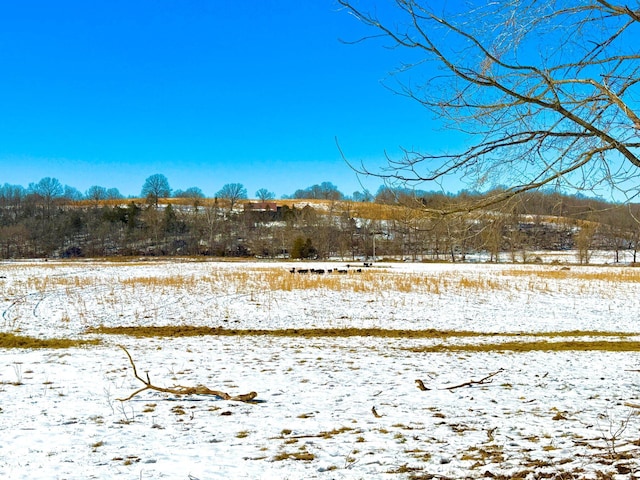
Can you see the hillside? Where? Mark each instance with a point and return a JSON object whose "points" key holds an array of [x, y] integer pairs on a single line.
{"points": [[405, 229]]}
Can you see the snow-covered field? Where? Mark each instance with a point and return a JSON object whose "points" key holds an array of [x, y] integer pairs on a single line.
{"points": [[327, 407]]}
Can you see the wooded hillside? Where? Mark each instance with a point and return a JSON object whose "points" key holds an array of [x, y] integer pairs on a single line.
{"points": [[394, 226]]}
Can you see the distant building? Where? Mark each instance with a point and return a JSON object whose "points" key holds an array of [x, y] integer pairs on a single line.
{"points": [[260, 207]]}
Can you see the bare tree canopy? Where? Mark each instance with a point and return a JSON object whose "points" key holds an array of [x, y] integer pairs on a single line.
{"points": [[48, 188], [191, 192], [96, 193], [232, 192], [322, 191], [544, 92], [155, 187], [263, 195]]}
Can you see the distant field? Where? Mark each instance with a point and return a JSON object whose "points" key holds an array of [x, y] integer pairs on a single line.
{"points": [[526, 371]]}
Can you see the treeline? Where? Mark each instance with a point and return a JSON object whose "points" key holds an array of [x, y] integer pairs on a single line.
{"points": [[44, 221]]}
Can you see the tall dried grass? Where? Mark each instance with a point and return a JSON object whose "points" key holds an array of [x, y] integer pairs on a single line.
{"points": [[370, 280], [603, 274]]}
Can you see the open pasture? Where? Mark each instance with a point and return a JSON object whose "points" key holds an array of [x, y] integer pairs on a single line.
{"points": [[528, 371]]}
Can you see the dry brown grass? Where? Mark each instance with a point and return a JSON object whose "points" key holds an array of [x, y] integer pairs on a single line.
{"points": [[301, 455], [535, 346], [10, 340], [193, 331], [368, 280], [280, 279], [43, 284], [601, 274], [174, 282], [364, 281], [542, 341]]}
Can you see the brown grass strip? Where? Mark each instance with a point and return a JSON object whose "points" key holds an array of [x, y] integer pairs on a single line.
{"points": [[194, 331], [537, 346], [9, 340], [604, 274]]}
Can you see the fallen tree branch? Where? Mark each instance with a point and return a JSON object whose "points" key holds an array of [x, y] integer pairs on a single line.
{"points": [[421, 386], [482, 381], [182, 390], [488, 379]]}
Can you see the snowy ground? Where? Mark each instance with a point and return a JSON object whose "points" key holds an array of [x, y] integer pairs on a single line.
{"points": [[565, 414]]}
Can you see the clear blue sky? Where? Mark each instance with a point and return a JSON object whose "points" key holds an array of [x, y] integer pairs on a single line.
{"points": [[206, 92]]}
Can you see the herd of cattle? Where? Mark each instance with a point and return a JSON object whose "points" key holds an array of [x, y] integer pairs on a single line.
{"points": [[321, 271]]}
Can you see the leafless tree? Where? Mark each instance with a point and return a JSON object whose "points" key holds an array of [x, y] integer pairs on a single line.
{"points": [[156, 187], [544, 92], [96, 194], [265, 195], [113, 194], [48, 190], [232, 192]]}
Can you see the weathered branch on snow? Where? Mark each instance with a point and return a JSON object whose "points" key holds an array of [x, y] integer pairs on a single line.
{"points": [[482, 381], [182, 390], [421, 385]]}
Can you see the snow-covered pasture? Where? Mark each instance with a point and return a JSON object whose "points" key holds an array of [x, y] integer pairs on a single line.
{"points": [[328, 407]]}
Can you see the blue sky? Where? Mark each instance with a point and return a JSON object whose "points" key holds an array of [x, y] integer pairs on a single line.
{"points": [[109, 92]]}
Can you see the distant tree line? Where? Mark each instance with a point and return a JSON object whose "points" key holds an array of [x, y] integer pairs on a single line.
{"points": [[47, 219]]}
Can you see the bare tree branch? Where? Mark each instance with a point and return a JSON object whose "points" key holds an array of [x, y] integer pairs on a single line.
{"points": [[181, 390], [483, 381], [546, 92]]}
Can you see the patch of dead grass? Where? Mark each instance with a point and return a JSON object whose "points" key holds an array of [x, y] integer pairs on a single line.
{"points": [[10, 340], [305, 456], [358, 280], [193, 331], [542, 341], [606, 274], [535, 346]]}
